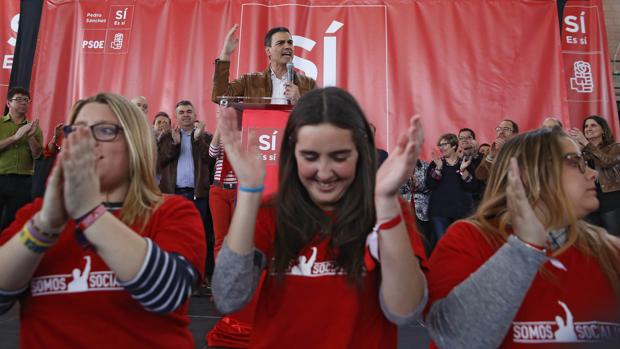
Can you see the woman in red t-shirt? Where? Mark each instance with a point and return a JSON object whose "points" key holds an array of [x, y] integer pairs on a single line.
{"points": [[104, 260], [525, 270], [323, 288]]}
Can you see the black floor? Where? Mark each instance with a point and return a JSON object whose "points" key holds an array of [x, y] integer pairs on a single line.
{"points": [[204, 317]]}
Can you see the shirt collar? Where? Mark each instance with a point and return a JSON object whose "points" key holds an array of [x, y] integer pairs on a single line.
{"points": [[7, 117], [186, 133], [275, 77]]}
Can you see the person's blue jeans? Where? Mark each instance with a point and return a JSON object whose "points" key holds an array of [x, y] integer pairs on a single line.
{"points": [[440, 225]]}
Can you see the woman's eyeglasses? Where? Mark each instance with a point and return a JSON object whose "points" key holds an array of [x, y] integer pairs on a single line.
{"points": [[103, 132], [577, 161]]}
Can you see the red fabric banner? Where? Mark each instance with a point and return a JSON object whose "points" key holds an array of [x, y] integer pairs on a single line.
{"points": [[264, 129], [457, 63], [9, 24], [589, 84]]}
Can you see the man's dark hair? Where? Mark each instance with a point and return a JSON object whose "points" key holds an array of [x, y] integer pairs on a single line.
{"points": [[161, 113], [515, 127], [473, 134], [272, 31], [17, 90], [184, 102]]}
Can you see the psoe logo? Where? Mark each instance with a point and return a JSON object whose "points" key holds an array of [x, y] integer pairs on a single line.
{"points": [[582, 80]]}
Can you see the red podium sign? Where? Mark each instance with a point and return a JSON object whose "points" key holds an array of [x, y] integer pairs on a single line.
{"points": [[262, 126]]}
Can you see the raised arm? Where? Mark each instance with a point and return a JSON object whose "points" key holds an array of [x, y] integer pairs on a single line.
{"points": [[402, 282], [221, 75], [236, 273]]}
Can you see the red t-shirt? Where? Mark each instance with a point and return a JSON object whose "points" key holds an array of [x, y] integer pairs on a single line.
{"points": [[315, 306], [577, 305], [75, 300]]}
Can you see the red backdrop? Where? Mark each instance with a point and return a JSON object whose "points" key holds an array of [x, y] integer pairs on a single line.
{"points": [[458, 63], [586, 63], [9, 22]]}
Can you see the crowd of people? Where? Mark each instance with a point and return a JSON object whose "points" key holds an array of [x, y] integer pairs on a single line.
{"points": [[487, 244]]}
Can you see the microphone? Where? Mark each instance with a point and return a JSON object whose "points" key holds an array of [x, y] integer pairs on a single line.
{"points": [[289, 72]]}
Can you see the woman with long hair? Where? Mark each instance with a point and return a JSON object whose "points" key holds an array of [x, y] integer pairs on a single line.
{"points": [[603, 154], [315, 238], [526, 268], [103, 260]]}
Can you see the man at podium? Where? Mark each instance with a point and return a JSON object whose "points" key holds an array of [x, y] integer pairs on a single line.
{"points": [[279, 81], [278, 84]]}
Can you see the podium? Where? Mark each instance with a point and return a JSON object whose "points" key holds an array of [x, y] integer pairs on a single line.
{"points": [[262, 126]]}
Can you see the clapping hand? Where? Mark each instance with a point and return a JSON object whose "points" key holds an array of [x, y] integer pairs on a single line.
{"points": [[401, 162], [525, 223], [81, 181], [176, 135], [578, 137]]}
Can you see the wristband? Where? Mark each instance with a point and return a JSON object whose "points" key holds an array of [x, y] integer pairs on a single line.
{"points": [[389, 224], [258, 189], [540, 249], [41, 235], [89, 218], [31, 242]]}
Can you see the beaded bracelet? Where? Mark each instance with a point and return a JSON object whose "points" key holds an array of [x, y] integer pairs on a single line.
{"points": [[31, 242]]}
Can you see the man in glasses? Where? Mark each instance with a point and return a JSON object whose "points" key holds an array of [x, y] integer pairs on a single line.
{"points": [[20, 145], [505, 130], [468, 153]]}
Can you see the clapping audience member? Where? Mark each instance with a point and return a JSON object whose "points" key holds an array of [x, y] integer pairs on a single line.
{"points": [[312, 236], [603, 154], [21, 142], [418, 195], [505, 130], [162, 124], [468, 151], [104, 251], [526, 261], [451, 181], [186, 167]]}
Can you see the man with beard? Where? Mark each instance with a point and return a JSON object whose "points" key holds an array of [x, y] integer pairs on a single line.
{"points": [[272, 82], [468, 152], [20, 144], [505, 130]]}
